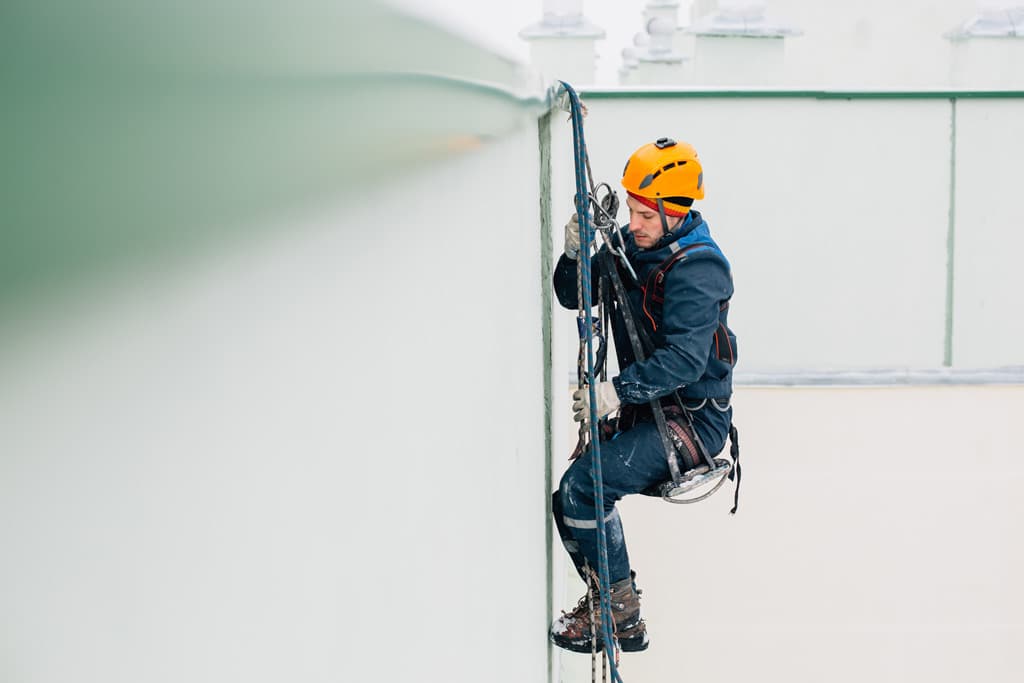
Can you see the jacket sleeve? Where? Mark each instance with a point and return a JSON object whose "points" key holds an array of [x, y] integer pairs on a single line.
{"points": [[693, 293], [565, 282]]}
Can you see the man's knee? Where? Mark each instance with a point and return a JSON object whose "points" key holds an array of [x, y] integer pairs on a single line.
{"points": [[575, 489], [569, 484]]}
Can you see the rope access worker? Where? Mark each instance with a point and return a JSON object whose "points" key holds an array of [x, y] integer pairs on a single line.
{"points": [[681, 294]]}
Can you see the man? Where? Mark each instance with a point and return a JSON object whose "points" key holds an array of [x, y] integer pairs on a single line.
{"points": [[682, 302]]}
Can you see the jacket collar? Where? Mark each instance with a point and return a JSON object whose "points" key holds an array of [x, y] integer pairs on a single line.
{"points": [[692, 229], [691, 222]]}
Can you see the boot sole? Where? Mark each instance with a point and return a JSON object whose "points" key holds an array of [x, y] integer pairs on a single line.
{"points": [[583, 646]]}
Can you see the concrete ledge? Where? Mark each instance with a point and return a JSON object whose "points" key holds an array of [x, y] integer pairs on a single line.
{"points": [[640, 92], [882, 377], [875, 378]]}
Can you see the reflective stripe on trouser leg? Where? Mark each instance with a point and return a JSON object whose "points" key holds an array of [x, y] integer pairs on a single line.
{"points": [[584, 531], [589, 523], [568, 542], [632, 462], [575, 516]]}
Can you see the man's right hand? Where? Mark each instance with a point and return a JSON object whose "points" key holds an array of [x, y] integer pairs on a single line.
{"points": [[572, 238]]}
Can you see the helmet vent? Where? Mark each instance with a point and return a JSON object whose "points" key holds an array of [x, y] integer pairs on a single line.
{"points": [[651, 177]]}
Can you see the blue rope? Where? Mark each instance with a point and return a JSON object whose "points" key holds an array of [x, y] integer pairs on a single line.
{"points": [[586, 239]]}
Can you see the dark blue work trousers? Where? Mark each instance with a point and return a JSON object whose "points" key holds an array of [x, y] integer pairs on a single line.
{"points": [[633, 461]]}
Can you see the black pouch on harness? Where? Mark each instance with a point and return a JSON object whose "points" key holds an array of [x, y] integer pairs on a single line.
{"points": [[684, 442], [683, 438]]}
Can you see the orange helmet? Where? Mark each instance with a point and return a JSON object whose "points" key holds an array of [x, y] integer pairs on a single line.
{"points": [[665, 170]]}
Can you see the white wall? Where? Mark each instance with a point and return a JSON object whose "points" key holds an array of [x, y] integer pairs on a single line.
{"points": [[877, 539], [835, 216], [988, 314], [272, 371], [318, 457]]}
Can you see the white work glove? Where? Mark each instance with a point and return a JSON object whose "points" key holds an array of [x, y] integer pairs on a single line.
{"points": [[572, 238], [607, 402]]}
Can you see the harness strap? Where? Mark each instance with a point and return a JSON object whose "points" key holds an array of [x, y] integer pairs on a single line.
{"points": [[639, 345], [655, 285], [736, 473], [654, 289]]}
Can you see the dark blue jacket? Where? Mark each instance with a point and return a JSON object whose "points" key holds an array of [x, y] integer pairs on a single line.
{"points": [[694, 349]]}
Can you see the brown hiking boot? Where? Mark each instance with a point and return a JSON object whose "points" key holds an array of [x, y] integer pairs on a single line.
{"points": [[573, 631]]}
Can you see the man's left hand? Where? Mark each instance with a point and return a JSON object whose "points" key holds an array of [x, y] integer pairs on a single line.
{"points": [[607, 401]]}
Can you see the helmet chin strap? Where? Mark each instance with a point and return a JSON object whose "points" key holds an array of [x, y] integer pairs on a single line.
{"points": [[664, 218]]}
